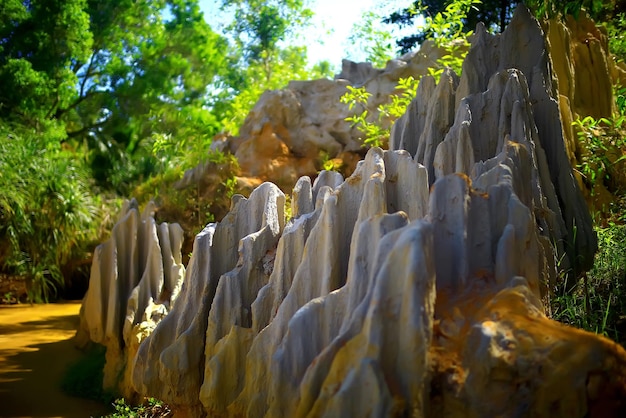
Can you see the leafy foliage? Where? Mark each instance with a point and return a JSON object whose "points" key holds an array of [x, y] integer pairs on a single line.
{"points": [[40, 43], [374, 41], [110, 75], [617, 42], [447, 31], [47, 212], [376, 134], [603, 142], [493, 13], [147, 76], [597, 303]]}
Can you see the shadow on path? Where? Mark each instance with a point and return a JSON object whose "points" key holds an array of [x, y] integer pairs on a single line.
{"points": [[36, 347]]}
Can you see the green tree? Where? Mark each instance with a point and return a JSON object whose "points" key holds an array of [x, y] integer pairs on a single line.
{"points": [[493, 13], [264, 56], [41, 43], [111, 74], [147, 76], [98, 83], [259, 26], [373, 40]]}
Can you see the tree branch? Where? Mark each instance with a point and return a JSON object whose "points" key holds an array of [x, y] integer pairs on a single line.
{"points": [[92, 93], [87, 73], [86, 129]]}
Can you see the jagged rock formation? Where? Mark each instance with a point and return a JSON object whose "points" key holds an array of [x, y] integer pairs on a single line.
{"points": [[414, 287], [586, 74], [135, 279], [458, 126]]}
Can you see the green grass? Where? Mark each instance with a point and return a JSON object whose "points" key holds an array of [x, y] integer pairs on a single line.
{"points": [[598, 303], [83, 379]]}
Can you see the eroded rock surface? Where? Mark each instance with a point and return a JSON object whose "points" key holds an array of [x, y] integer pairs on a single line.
{"points": [[135, 279], [586, 74], [470, 123], [414, 287]]}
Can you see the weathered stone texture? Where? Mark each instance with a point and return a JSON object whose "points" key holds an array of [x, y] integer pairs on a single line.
{"points": [[414, 287], [135, 280]]}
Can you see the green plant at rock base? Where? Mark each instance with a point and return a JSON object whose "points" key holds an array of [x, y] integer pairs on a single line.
{"points": [[329, 164], [446, 30], [599, 307], [83, 378], [152, 408]]}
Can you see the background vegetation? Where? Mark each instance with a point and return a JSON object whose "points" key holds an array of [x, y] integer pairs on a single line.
{"points": [[103, 100]]}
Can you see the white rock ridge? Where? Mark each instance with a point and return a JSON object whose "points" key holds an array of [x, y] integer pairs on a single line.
{"points": [[135, 279]]}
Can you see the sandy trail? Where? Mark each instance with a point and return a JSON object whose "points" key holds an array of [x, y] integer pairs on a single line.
{"points": [[35, 349]]}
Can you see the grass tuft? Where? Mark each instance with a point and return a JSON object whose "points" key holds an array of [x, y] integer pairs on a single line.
{"points": [[598, 304]]}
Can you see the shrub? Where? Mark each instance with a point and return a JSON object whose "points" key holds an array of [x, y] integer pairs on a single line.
{"points": [[47, 212], [152, 408]]}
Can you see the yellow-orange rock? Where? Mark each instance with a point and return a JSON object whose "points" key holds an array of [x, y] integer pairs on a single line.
{"points": [[266, 155], [586, 74]]}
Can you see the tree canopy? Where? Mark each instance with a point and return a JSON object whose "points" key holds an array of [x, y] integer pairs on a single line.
{"points": [[496, 14], [113, 93], [493, 13]]}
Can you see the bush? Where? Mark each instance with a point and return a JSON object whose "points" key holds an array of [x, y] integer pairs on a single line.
{"points": [[152, 408], [47, 212]]}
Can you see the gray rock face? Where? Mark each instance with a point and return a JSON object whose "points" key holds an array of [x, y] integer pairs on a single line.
{"points": [[135, 280], [495, 104], [413, 287]]}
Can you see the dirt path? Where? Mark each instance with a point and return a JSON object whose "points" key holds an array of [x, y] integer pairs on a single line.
{"points": [[35, 349]]}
